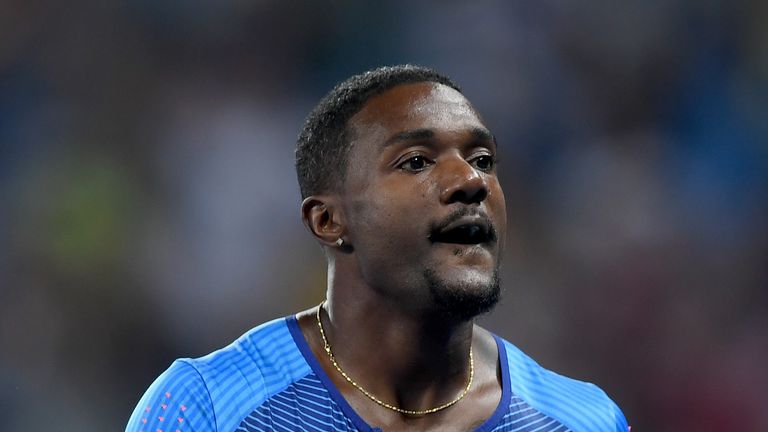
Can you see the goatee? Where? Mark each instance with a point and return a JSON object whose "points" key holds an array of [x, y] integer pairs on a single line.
{"points": [[462, 302]]}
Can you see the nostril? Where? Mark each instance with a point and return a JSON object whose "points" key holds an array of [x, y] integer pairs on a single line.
{"points": [[469, 195], [481, 194], [458, 196]]}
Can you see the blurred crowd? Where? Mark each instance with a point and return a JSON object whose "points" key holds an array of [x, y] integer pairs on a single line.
{"points": [[149, 207]]}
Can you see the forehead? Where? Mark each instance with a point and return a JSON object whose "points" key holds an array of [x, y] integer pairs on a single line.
{"points": [[425, 105]]}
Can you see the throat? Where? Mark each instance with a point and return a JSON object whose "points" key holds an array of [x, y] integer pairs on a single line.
{"points": [[412, 376]]}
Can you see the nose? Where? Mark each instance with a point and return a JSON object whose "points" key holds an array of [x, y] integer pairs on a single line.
{"points": [[462, 183]]}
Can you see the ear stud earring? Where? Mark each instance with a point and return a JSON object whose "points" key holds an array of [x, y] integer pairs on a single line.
{"points": [[339, 241]]}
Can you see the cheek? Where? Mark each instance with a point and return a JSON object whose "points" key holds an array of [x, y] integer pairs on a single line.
{"points": [[390, 214], [497, 204]]}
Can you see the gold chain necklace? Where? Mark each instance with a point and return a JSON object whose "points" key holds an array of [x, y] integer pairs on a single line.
{"points": [[327, 347]]}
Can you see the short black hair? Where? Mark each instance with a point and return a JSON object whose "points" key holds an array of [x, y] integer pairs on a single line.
{"points": [[323, 144]]}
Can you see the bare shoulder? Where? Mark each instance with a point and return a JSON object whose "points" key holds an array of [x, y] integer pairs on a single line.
{"points": [[486, 353], [307, 314], [307, 321], [308, 324], [484, 342]]}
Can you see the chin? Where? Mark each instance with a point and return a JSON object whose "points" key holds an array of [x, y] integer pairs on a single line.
{"points": [[463, 298]]}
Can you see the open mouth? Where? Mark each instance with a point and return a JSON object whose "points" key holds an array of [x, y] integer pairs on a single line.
{"points": [[470, 231]]}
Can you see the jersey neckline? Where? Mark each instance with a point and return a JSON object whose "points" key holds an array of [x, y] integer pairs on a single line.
{"points": [[314, 364]]}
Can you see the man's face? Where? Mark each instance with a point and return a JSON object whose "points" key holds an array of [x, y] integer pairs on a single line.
{"points": [[425, 212]]}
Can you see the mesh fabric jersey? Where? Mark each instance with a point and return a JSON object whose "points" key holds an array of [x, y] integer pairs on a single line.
{"points": [[269, 380]]}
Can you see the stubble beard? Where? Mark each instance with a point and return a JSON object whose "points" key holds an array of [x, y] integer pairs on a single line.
{"points": [[457, 301]]}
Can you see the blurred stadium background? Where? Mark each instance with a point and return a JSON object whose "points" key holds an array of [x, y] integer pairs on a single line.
{"points": [[149, 207]]}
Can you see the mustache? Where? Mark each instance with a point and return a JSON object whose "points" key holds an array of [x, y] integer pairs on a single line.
{"points": [[459, 213]]}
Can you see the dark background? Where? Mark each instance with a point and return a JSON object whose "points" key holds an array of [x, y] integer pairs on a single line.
{"points": [[149, 207]]}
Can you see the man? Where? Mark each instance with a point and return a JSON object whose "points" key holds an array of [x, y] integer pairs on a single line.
{"points": [[398, 176]]}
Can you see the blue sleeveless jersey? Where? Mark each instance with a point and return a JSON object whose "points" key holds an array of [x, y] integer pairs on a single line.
{"points": [[269, 380]]}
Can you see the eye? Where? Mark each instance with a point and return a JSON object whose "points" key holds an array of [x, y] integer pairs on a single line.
{"points": [[414, 164], [484, 162]]}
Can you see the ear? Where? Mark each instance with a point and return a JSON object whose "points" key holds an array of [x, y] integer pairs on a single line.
{"points": [[323, 217]]}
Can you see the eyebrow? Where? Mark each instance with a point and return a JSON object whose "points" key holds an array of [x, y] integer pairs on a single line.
{"points": [[478, 135], [483, 135], [410, 135]]}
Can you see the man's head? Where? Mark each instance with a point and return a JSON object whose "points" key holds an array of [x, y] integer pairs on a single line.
{"points": [[417, 203], [323, 144]]}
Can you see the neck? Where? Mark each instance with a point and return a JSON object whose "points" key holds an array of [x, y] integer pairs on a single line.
{"points": [[413, 360]]}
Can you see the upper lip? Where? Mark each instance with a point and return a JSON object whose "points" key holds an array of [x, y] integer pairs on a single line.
{"points": [[485, 228]]}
